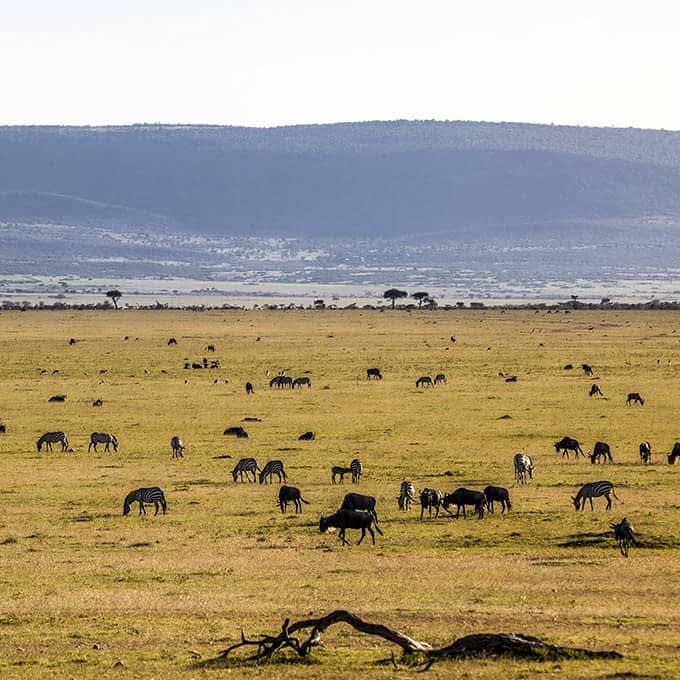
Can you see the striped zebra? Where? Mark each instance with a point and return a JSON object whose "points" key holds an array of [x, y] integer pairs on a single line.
{"points": [[356, 469], [247, 465], [102, 438], [151, 494], [50, 438], [594, 490], [524, 467], [407, 495], [273, 467], [177, 447]]}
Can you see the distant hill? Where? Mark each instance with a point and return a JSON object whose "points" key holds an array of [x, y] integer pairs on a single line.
{"points": [[373, 179]]}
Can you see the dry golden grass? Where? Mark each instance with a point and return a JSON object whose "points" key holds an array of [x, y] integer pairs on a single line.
{"points": [[84, 587]]}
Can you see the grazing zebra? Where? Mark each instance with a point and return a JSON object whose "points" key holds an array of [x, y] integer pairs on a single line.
{"points": [[439, 378], [281, 381], [102, 438], [247, 465], [291, 494], [357, 470], [645, 452], [430, 498], [299, 382], [177, 447], [624, 534], [339, 471], [50, 438], [151, 494], [273, 467], [523, 466], [594, 490], [407, 495], [424, 380]]}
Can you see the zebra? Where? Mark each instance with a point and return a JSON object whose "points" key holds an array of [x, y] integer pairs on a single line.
{"points": [[50, 438], [102, 438], [594, 490], [439, 378], [177, 447], [356, 469], [151, 494], [273, 467], [407, 495], [424, 380], [523, 466], [339, 471], [624, 534], [247, 465], [299, 382]]}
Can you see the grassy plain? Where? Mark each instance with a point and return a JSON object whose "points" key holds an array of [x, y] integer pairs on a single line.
{"points": [[88, 592]]}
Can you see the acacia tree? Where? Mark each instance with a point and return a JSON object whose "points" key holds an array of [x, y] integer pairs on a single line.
{"points": [[115, 295], [394, 294], [421, 297]]}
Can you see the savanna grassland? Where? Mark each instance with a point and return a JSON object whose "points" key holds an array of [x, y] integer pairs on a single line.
{"points": [[86, 591]]}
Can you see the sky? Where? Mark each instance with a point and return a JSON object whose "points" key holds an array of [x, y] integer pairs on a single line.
{"points": [[269, 62]]}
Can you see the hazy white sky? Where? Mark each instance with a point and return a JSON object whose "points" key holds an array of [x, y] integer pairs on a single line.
{"points": [[275, 62]]}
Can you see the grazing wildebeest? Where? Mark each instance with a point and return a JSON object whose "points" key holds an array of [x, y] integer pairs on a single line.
{"points": [[601, 450], [247, 465], [3, 427], [588, 370], [357, 501], [194, 364], [645, 452], [634, 397], [462, 497], [58, 397], [430, 498], [291, 494], [72, 341], [595, 390], [345, 519], [97, 402], [177, 447], [594, 490], [373, 373], [567, 444], [172, 341], [439, 378], [102, 438], [424, 381], [499, 494], [249, 388], [624, 534], [210, 348], [273, 467], [339, 471], [50, 438], [357, 470], [237, 431], [307, 437], [281, 381], [568, 367], [299, 382], [151, 494], [675, 453]]}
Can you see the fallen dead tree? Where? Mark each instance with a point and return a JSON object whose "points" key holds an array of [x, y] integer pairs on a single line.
{"points": [[477, 645]]}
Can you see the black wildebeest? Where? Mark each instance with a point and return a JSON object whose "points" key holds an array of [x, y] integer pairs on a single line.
{"points": [[674, 454], [588, 370], [3, 427], [172, 341], [58, 397], [439, 378], [645, 452], [177, 447], [281, 381], [568, 367], [72, 341], [462, 497], [345, 519], [373, 373], [498, 494], [97, 402], [196, 365], [430, 498], [299, 382], [634, 397], [291, 494], [236, 431], [249, 388], [567, 444], [424, 381], [307, 437], [601, 450], [624, 534], [595, 390], [357, 501], [210, 348]]}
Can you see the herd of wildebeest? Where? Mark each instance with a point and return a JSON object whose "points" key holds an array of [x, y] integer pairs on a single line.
{"points": [[358, 511]]}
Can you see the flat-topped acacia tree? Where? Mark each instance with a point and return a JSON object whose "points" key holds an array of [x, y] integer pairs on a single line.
{"points": [[394, 294]]}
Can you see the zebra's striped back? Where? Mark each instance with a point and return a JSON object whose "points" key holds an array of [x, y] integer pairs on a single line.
{"points": [[594, 490], [407, 493], [524, 467], [50, 438], [152, 494], [247, 465], [357, 470], [103, 438], [273, 467]]}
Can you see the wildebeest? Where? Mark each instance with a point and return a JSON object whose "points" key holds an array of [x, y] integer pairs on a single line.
{"points": [[430, 498], [97, 402], [634, 397], [567, 444], [339, 471], [595, 390], [273, 467], [439, 378], [50, 438], [345, 519], [196, 365], [462, 497], [307, 436], [172, 341], [291, 494], [102, 438], [281, 381], [236, 431], [568, 367], [357, 501], [177, 447], [624, 534], [674, 454], [58, 397], [601, 450], [3, 427], [210, 348], [424, 381], [299, 382], [72, 341], [588, 370], [645, 452], [498, 494], [373, 373], [249, 388]]}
